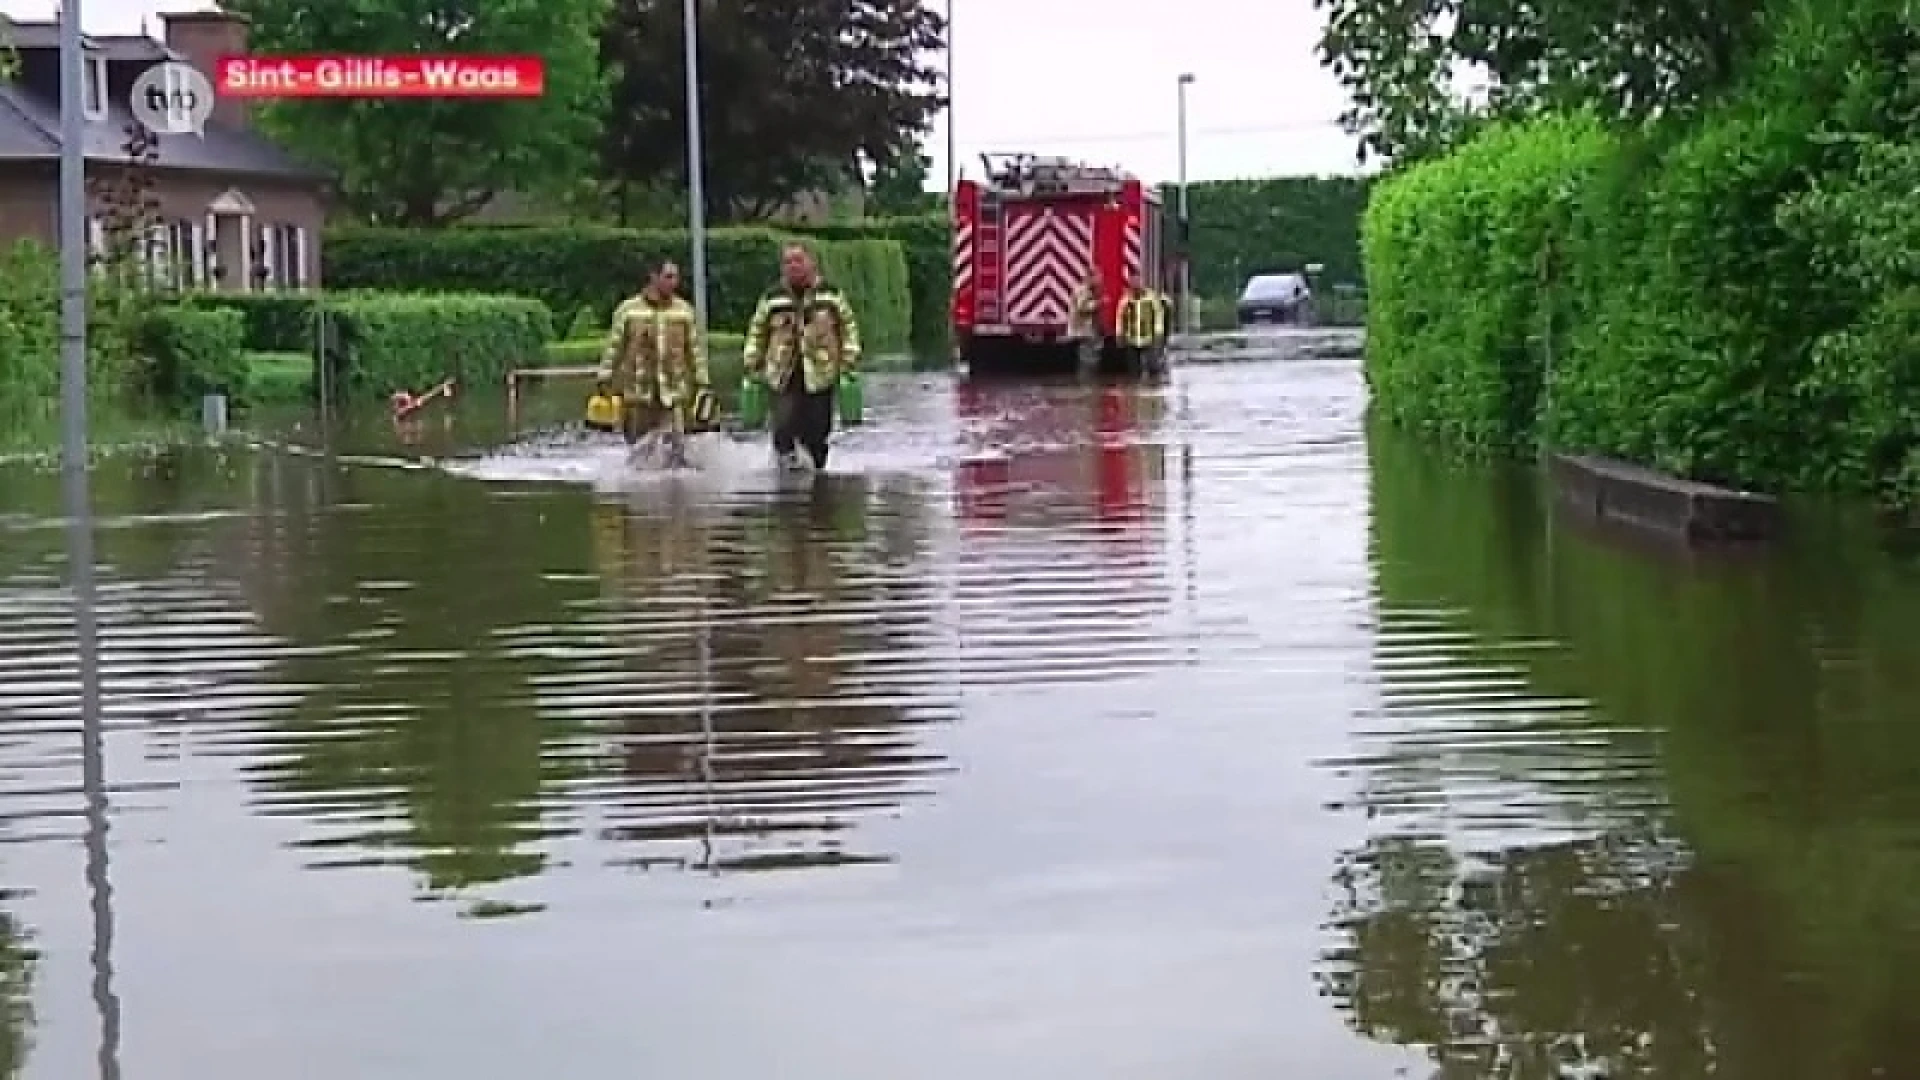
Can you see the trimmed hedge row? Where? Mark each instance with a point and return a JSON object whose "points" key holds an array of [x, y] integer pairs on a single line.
{"points": [[1730, 295], [195, 352], [591, 268], [382, 341], [1457, 311], [388, 342]]}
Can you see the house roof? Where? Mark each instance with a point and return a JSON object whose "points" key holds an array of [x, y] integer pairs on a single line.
{"points": [[46, 35], [30, 122]]}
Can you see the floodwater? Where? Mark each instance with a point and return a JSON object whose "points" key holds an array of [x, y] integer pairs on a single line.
{"points": [[1061, 732]]}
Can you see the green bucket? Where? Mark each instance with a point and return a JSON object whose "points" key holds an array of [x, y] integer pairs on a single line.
{"points": [[852, 400], [753, 403]]}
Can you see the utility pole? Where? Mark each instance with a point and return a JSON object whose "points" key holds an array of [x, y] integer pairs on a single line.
{"points": [[1186, 223], [73, 424], [696, 167]]}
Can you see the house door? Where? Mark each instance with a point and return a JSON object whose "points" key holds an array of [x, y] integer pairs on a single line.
{"points": [[230, 223]]}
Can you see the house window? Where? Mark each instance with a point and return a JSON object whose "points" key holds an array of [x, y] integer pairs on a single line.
{"points": [[303, 264], [293, 256], [96, 244], [157, 258], [269, 257], [95, 102], [283, 251], [187, 247]]}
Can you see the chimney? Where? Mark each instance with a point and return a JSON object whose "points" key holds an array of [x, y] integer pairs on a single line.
{"points": [[203, 37]]}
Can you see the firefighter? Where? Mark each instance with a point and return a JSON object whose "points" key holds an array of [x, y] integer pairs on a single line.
{"points": [[1165, 305], [1083, 320], [802, 340], [656, 361], [1141, 326]]}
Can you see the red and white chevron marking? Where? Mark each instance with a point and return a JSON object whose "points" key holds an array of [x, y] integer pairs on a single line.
{"points": [[1048, 252], [1133, 251], [962, 256]]}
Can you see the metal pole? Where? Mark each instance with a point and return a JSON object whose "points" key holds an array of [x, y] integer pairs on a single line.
{"points": [[73, 256], [696, 180], [73, 408], [1186, 226], [953, 151]]}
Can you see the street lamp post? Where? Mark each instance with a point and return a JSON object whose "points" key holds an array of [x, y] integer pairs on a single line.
{"points": [[1186, 227], [72, 210], [696, 178]]}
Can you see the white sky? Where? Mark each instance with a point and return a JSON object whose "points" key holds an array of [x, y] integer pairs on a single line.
{"points": [[1045, 76]]}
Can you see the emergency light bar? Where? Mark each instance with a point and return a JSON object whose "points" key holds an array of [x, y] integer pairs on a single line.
{"points": [[1027, 174]]}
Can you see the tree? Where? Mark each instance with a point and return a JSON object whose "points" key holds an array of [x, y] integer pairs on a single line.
{"points": [[1627, 58], [129, 207], [430, 162], [790, 91], [900, 189]]}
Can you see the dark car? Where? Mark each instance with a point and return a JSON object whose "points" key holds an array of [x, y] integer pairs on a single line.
{"points": [[1275, 299]]}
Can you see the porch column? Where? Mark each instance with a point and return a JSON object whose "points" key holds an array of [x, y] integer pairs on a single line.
{"points": [[246, 253]]}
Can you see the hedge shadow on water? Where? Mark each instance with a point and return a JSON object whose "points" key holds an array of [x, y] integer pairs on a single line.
{"points": [[1770, 700]]}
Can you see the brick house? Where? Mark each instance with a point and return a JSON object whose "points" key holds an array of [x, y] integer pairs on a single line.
{"points": [[236, 212]]}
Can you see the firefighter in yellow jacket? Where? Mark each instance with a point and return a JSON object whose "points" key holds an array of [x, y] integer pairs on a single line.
{"points": [[802, 339], [1141, 326], [656, 361], [1083, 320]]}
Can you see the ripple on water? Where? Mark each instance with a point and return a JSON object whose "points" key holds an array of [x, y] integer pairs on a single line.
{"points": [[1128, 645]]}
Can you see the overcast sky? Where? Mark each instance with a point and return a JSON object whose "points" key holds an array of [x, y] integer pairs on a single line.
{"points": [[1091, 79]]}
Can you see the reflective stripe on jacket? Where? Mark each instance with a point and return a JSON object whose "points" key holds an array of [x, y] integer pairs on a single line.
{"points": [[655, 354], [815, 329], [1141, 319]]}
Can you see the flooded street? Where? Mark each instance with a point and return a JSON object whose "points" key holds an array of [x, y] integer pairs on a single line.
{"points": [[1060, 732]]}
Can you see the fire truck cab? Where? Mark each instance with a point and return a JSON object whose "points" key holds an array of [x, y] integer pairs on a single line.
{"points": [[1025, 237]]}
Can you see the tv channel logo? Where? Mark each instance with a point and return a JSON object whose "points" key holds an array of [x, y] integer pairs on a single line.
{"points": [[173, 99]]}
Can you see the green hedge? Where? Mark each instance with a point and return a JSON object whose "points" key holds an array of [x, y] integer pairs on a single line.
{"points": [[390, 340], [1454, 255], [30, 340], [884, 301], [1733, 293], [593, 268], [410, 341], [196, 352], [29, 333], [279, 322], [926, 243]]}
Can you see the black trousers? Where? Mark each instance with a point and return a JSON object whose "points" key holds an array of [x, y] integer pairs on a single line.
{"points": [[802, 418]]}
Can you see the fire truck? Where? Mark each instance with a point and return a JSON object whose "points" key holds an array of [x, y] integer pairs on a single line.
{"points": [[1024, 239]]}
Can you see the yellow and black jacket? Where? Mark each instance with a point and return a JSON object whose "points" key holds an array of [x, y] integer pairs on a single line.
{"points": [[655, 354], [1142, 319], [815, 329]]}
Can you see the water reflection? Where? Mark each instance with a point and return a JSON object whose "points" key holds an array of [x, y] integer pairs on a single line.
{"points": [[1063, 497], [478, 659], [1704, 871], [1052, 455], [19, 967], [787, 598], [416, 740], [1599, 811]]}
